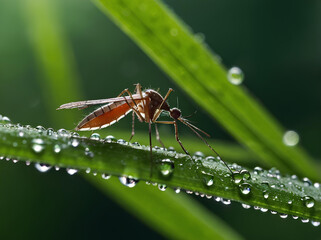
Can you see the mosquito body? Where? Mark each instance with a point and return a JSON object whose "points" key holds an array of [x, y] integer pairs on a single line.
{"points": [[147, 105]]}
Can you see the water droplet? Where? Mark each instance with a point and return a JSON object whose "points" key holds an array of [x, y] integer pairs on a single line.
{"points": [[208, 196], [15, 160], [121, 141], [105, 176], [295, 217], [57, 168], [162, 187], [199, 154], [291, 138], [40, 129], [5, 119], [57, 148], [316, 185], [264, 209], [235, 76], [307, 182], [63, 132], [245, 206], [189, 192], [95, 136], [171, 149], [89, 153], [95, 173], [305, 220], [245, 174], [308, 201], [28, 163], [177, 190], [74, 142], [38, 145], [128, 181], [110, 139], [315, 223], [88, 170], [273, 212], [283, 215], [237, 177], [245, 188], [136, 144], [71, 171], [226, 201], [209, 180], [166, 167], [41, 167], [21, 133], [265, 195], [258, 170]]}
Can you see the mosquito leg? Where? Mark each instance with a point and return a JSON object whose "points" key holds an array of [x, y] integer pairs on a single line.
{"points": [[176, 134], [157, 136], [150, 149], [133, 127], [179, 141]]}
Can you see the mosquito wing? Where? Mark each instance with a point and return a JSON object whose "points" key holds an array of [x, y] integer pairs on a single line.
{"points": [[87, 103]]}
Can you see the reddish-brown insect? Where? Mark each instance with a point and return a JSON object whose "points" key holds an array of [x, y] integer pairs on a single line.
{"points": [[147, 105]]}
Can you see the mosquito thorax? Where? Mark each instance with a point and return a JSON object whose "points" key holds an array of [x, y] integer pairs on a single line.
{"points": [[175, 113]]}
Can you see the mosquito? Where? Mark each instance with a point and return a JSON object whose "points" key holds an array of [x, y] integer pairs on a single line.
{"points": [[147, 105]]}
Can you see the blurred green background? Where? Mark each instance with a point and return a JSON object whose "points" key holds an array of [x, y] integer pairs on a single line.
{"points": [[276, 44]]}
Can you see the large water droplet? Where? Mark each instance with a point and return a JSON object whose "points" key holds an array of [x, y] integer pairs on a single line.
{"points": [[177, 190], [235, 76], [308, 201], [38, 145], [245, 188], [41, 167], [291, 138], [166, 167], [128, 181], [71, 171]]}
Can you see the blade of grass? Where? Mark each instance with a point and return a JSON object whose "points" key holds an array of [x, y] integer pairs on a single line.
{"points": [[204, 176], [59, 79], [54, 55], [190, 63]]}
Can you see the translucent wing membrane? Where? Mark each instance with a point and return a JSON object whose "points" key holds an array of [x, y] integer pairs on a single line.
{"points": [[87, 103]]}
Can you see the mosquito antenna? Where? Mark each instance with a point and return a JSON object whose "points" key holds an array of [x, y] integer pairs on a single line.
{"points": [[196, 128], [200, 136], [191, 114]]}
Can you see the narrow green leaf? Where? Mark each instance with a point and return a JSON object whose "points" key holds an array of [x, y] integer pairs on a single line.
{"points": [[204, 176], [186, 58], [59, 79]]}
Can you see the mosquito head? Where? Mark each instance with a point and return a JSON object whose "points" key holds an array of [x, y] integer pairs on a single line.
{"points": [[175, 113]]}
